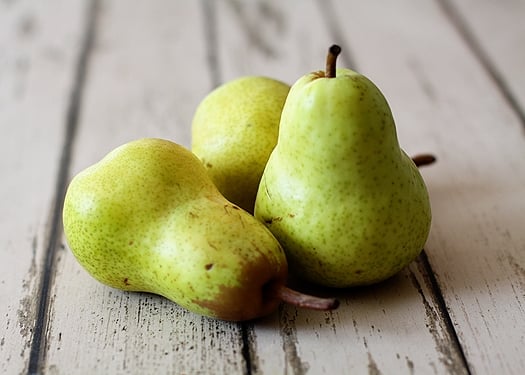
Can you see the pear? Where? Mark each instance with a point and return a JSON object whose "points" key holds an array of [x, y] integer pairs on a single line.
{"points": [[148, 218], [343, 199], [234, 130]]}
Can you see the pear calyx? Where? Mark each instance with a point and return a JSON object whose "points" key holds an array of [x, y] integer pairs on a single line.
{"points": [[331, 59], [298, 299], [423, 159]]}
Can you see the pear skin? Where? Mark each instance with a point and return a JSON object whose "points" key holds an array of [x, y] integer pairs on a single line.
{"points": [[234, 130], [343, 199]]}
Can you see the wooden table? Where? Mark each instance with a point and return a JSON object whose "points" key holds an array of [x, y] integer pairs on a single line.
{"points": [[80, 77]]}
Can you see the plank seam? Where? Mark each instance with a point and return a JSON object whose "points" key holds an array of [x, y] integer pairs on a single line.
{"points": [[246, 347], [329, 15], [38, 351], [468, 36], [442, 307]]}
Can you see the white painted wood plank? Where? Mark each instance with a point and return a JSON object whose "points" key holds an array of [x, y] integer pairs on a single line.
{"points": [[277, 39], [147, 73], [380, 329], [37, 62], [395, 327], [498, 31], [444, 102]]}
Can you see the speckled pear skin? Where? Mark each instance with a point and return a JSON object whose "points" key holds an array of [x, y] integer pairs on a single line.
{"points": [[346, 203], [148, 218], [234, 130]]}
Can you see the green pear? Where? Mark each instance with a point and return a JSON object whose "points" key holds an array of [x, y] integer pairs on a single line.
{"points": [[344, 200], [234, 130], [148, 218]]}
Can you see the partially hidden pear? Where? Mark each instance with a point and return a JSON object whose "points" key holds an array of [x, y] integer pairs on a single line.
{"points": [[346, 203], [234, 130], [148, 218]]}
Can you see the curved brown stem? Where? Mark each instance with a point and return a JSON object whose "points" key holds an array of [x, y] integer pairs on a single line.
{"points": [[331, 60], [423, 159], [298, 299]]}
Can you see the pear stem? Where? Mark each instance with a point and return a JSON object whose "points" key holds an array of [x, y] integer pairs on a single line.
{"points": [[424, 159], [298, 299], [331, 59]]}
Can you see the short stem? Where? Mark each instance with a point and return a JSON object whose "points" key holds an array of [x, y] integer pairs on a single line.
{"points": [[424, 159], [331, 60], [298, 299]]}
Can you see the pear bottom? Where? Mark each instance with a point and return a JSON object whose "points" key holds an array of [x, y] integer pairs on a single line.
{"points": [[344, 237], [148, 218]]}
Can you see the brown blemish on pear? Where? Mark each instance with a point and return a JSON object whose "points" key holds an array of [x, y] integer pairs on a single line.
{"points": [[264, 293]]}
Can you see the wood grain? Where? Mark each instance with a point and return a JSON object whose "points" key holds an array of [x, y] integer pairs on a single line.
{"points": [[498, 51], [37, 63]]}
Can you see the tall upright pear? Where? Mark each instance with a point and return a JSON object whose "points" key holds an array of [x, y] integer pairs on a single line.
{"points": [[345, 201]]}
